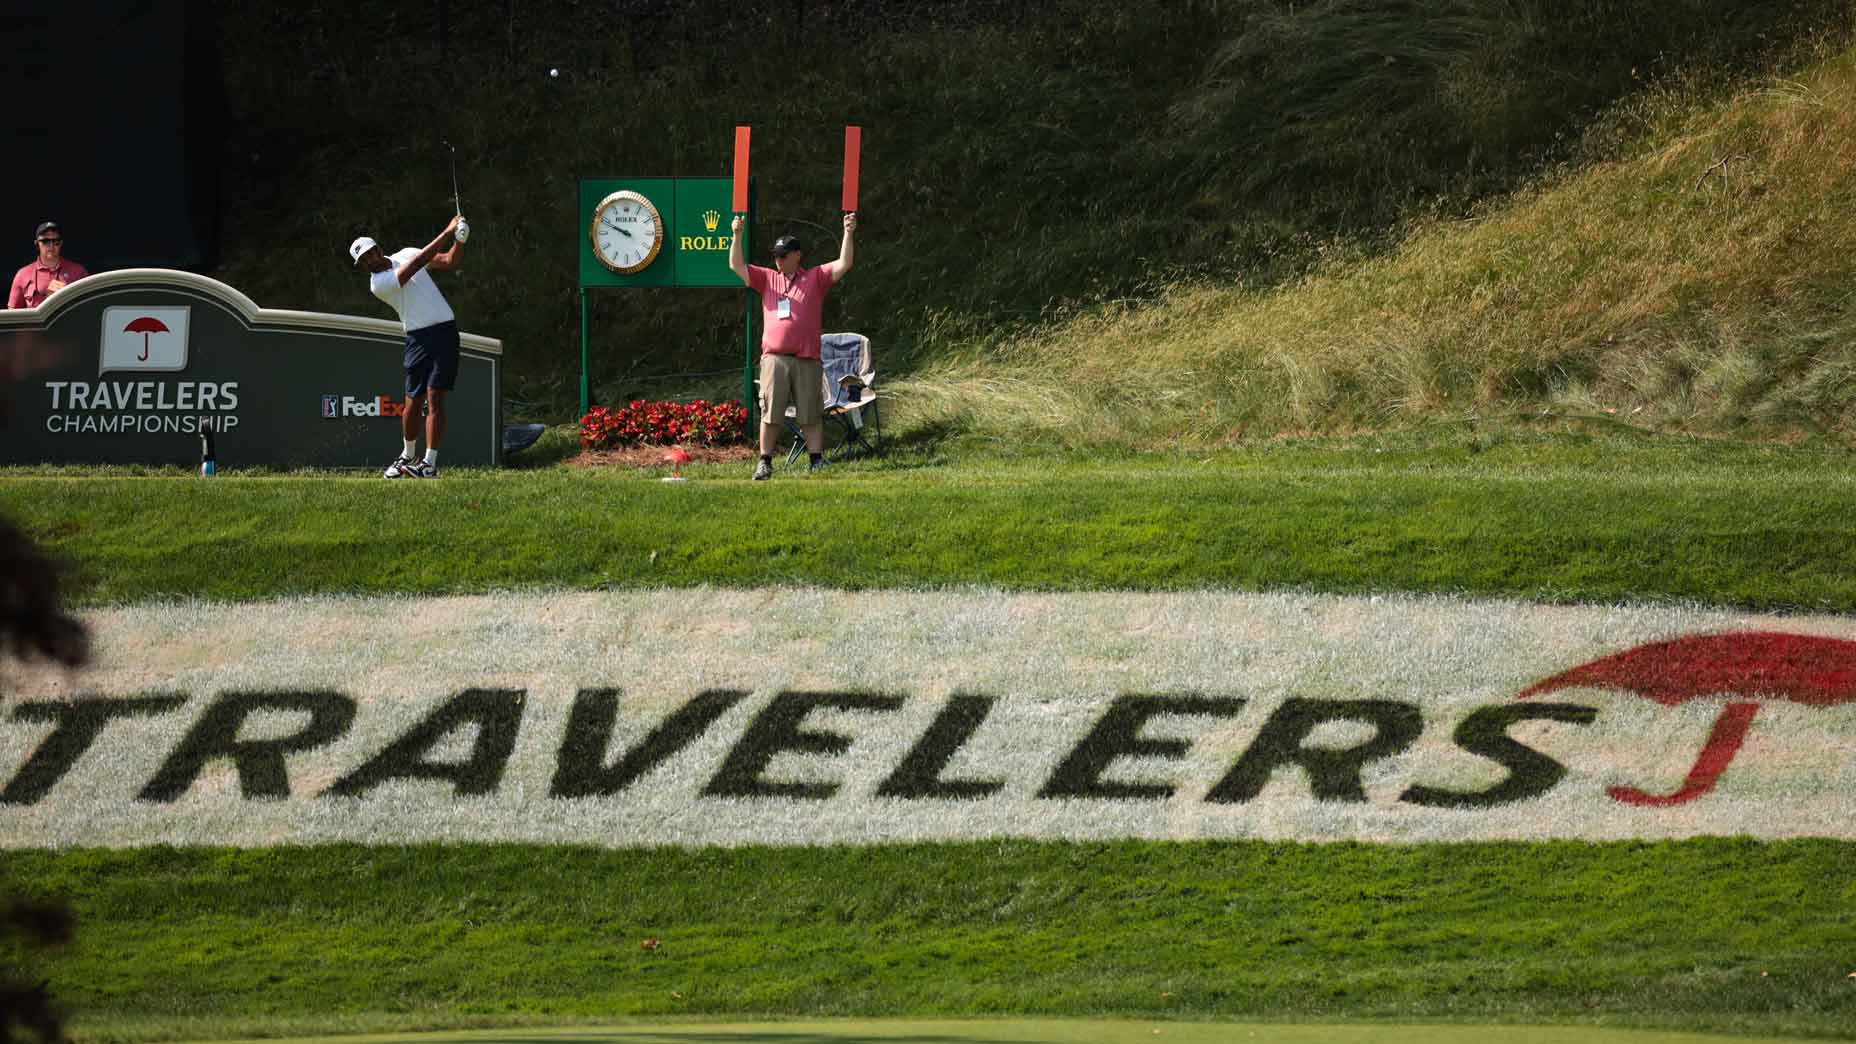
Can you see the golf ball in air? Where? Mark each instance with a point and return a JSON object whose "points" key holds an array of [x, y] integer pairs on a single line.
{"points": [[554, 72]]}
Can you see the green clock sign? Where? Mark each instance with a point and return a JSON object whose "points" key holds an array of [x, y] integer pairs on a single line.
{"points": [[642, 232], [655, 232]]}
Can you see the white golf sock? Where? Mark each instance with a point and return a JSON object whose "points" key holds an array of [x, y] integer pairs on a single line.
{"points": [[412, 449], [431, 456]]}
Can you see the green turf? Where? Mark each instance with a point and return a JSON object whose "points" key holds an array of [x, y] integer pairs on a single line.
{"points": [[1703, 935], [1551, 520], [1717, 935], [1038, 1031]]}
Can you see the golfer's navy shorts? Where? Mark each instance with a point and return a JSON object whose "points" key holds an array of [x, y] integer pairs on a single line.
{"points": [[431, 358]]}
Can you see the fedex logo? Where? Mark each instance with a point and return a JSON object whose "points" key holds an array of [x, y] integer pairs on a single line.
{"points": [[336, 406]]}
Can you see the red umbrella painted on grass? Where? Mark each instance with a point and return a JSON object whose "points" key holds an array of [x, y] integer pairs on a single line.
{"points": [[1801, 668], [145, 325]]}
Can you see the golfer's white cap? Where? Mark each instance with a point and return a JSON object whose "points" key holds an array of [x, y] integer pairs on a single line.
{"points": [[361, 246]]}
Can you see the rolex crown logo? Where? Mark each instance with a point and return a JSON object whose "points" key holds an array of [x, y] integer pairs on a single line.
{"points": [[710, 219]]}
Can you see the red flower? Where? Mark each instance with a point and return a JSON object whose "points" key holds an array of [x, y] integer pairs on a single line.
{"points": [[664, 424]]}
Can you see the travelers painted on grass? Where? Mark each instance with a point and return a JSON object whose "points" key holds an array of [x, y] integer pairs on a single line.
{"points": [[431, 360], [1091, 717], [792, 299]]}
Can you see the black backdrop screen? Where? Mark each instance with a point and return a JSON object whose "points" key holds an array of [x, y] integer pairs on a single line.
{"points": [[112, 126]]}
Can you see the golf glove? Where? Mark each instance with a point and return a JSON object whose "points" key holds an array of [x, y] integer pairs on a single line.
{"points": [[463, 231]]}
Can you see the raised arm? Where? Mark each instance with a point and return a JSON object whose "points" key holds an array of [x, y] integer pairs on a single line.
{"points": [[449, 260], [736, 261], [425, 256], [847, 250]]}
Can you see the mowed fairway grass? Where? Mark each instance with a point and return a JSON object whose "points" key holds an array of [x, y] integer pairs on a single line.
{"points": [[1581, 520], [1714, 935], [1039, 1031]]}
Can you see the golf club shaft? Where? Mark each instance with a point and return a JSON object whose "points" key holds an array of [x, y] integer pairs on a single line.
{"points": [[457, 201]]}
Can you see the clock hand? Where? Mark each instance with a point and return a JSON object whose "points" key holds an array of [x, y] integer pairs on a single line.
{"points": [[616, 228]]}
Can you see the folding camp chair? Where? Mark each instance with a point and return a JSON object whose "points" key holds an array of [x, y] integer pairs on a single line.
{"points": [[850, 399]]}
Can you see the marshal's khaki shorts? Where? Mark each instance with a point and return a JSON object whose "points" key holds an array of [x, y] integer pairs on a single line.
{"points": [[787, 380]]}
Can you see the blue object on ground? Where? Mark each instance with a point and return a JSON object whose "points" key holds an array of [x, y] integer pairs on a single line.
{"points": [[518, 437]]}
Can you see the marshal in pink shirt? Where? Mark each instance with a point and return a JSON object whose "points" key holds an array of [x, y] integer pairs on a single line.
{"points": [[799, 334], [34, 283]]}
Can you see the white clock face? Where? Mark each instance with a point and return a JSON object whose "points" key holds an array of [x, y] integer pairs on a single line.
{"points": [[627, 232]]}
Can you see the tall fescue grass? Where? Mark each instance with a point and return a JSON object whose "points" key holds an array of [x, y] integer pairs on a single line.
{"points": [[1350, 111], [1020, 162], [1699, 282]]}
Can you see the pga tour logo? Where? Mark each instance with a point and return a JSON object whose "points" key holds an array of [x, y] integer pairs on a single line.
{"points": [[148, 339], [338, 406]]}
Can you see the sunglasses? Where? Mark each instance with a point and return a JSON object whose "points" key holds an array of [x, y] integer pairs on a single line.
{"points": [[51, 242]]}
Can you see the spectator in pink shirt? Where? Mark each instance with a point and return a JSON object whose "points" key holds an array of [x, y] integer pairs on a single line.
{"points": [[792, 299], [46, 276]]}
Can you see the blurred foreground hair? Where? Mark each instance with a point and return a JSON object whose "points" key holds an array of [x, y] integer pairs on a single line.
{"points": [[33, 622], [33, 625]]}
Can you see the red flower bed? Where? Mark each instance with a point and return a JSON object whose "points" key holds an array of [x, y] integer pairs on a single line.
{"points": [[639, 422]]}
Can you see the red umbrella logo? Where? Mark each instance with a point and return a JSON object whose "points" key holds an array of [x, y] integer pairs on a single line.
{"points": [[1816, 672], [145, 325]]}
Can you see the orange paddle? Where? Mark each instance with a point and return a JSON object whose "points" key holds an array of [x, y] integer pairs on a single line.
{"points": [[853, 146], [741, 169]]}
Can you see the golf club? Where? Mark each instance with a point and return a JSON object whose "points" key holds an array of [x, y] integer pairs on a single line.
{"points": [[457, 202]]}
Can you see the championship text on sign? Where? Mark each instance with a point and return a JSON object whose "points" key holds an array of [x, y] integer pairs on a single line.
{"points": [[132, 367]]}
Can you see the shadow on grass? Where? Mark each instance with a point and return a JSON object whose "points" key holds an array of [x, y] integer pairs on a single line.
{"points": [[559, 443], [925, 445], [917, 446]]}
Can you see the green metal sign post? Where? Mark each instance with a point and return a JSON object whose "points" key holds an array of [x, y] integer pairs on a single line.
{"points": [[693, 216]]}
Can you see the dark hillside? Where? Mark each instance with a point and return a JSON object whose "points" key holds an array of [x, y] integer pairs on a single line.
{"points": [[1016, 158]]}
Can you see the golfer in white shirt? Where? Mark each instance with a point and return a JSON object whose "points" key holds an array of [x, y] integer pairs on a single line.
{"points": [[404, 280]]}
